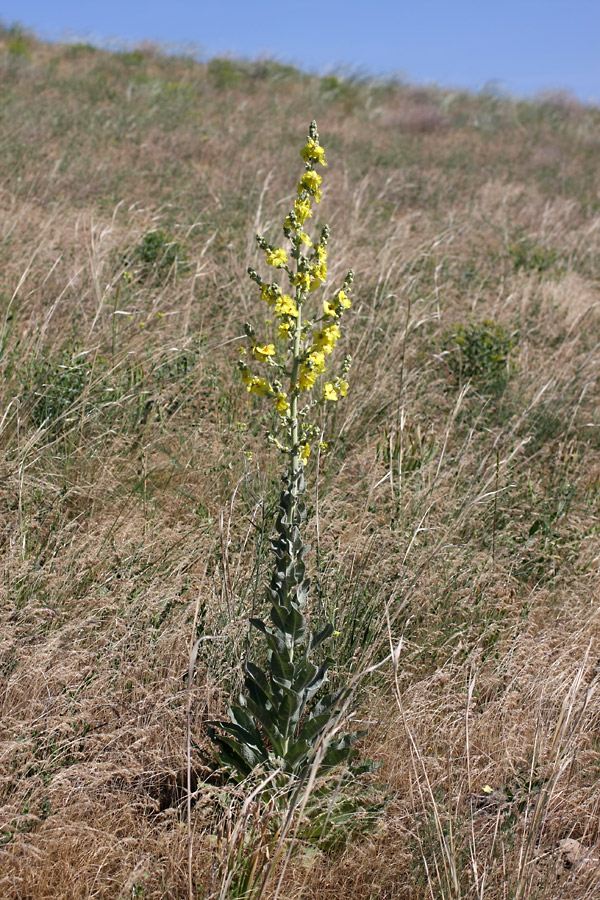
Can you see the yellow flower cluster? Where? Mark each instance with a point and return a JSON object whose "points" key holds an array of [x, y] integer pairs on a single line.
{"points": [[308, 341], [326, 338], [310, 369], [311, 183], [333, 307], [256, 385], [285, 306], [277, 258], [313, 152], [267, 293], [262, 352], [282, 403], [302, 209], [316, 274], [331, 389], [319, 269]]}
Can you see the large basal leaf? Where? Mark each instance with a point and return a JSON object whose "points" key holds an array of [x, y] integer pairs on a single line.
{"points": [[239, 716], [314, 727], [244, 738], [268, 724], [306, 673], [237, 756], [297, 754]]}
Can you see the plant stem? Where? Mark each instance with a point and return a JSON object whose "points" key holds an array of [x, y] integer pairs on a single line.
{"points": [[295, 461]]}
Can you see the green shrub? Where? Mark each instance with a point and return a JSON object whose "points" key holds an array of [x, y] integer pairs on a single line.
{"points": [[479, 351], [156, 254], [74, 51], [52, 386], [18, 48], [224, 73], [531, 257]]}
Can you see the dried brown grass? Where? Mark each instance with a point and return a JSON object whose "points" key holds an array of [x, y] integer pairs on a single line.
{"points": [[458, 523]]}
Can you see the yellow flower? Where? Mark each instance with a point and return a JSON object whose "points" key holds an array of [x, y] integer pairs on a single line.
{"points": [[327, 337], [277, 258], [283, 329], [316, 361], [303, 209], [285, 306], [328, 309], [307, 378], [310, 182], [305, 453], [343, 388], [262, 352], [319, 271], [267, 293], [311, 369], [343, 300], [302, 280], [329, 392], [321, 252], [313, 152], [282, 403], [259, 386], [305, 238]]}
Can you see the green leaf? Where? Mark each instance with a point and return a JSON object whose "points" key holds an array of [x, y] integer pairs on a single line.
{"points": [[319, 636], [239, 716], [297, 753], [335, 756], [282, 669], [267, 721], [258, 676], [289, 621], [245, 759], [314, 727], [304, 674]]}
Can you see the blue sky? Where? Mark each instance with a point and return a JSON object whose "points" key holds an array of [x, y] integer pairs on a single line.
{"points": [[526, 46]]}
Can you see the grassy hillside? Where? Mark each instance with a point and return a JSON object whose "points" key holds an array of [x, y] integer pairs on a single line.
{"points": [[457, 504]]}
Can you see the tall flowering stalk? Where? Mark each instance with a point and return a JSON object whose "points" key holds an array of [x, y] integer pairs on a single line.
{"points": [[279, 721], [284, 734], [298, 358]]}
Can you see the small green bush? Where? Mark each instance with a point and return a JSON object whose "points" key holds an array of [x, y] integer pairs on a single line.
{"points": [[224, 73], [531, 257], [479, 351], [156, 254], [18, 48], [53, 386], [74, 51]]}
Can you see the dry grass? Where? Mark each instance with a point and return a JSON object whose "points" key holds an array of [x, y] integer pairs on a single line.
{"points": [[457, 520]]}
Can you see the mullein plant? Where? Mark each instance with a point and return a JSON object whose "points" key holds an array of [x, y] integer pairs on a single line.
{"points": [[284, 727]]}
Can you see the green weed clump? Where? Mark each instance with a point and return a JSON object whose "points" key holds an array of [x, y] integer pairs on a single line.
{"points": [[157, 254], [285, 734], [532, 257], [54, 386], [480, 352]]}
